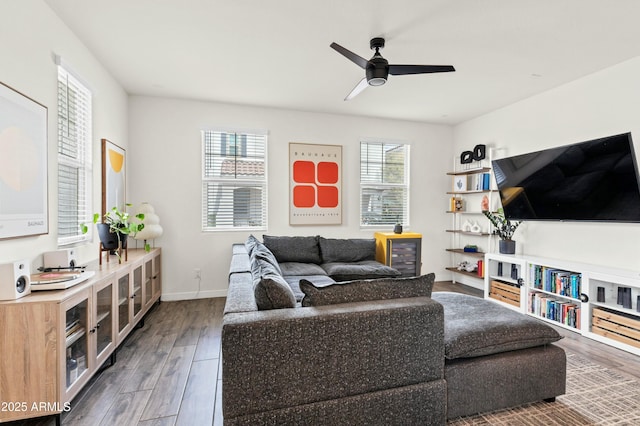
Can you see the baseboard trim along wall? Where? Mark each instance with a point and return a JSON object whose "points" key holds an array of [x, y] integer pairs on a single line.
{"points": [[172, 297]]}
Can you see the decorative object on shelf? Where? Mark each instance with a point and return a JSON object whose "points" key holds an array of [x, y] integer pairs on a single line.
{"points": [[514, 271], [118, 223], [601, 294], [484, 204], [467, 266], [469, 248], [638, 304], [457, 204], [397, 229], [504, 228], [624, 297], [479, 152], [466, 157], [480, 268], [499, 269], [476, 228], [460, 183], [584, 298], [152, 228], [466, 226]]}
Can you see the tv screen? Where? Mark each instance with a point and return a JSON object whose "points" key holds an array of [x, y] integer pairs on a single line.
{"points": [[595, 180]]}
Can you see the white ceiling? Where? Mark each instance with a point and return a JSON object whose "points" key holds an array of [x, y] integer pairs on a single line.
{"points": [[276, 53]]}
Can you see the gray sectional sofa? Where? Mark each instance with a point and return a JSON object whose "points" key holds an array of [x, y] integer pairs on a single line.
{"points": [[370, 351]]}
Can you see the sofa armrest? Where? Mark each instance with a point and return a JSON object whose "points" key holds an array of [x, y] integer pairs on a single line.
{"points": [[288, 357]]}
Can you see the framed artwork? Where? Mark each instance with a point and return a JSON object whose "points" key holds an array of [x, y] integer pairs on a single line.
{"points": [[113, 176], [460, 183], [24, 209], [315, 184]]}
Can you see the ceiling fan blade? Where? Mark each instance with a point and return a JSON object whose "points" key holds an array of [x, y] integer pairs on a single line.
{"points": [[358, 60], [418, 69], [363, 84]]}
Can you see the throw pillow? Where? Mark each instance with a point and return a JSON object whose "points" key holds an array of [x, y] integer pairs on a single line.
{"points": [[294, 249], [273, 292], [366, 290], [250, 244], [347, 250]]}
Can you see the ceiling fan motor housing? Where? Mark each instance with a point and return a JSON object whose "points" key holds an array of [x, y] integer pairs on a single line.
{"points": [[377, 70]]}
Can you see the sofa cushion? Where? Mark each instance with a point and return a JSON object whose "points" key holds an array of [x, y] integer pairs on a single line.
{"points": [[347, 250], [250, 244], [294, 249], [366, 290], [273, 292], [476, 327], [365, 269], [294, 283], [270, 289], [297, 268]]}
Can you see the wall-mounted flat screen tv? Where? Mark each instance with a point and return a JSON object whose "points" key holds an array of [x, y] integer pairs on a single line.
{"points": [[596, 180]]}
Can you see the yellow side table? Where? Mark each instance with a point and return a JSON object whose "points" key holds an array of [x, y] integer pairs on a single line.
{"points": [[400, 251]]}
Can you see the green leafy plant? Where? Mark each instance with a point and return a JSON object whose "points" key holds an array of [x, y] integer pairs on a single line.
{"points": [[119, 224], [503, 227]]}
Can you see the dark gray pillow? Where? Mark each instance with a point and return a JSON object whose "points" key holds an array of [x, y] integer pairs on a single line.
{"points": [[294, 249], [347, 250], [273, 292], [476, 327], [363, 270], [366, 290], [297, 268], [262, 252]]}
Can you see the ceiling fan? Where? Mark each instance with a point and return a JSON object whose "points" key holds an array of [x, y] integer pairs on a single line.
{"points": [[377, 69]]}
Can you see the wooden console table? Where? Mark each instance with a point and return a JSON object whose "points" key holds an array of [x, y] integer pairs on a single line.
{"points": [[52, 342]]}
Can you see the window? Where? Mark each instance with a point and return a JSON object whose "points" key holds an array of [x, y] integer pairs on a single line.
{"points": [[234, 181], [384, 184], [74, 157]]}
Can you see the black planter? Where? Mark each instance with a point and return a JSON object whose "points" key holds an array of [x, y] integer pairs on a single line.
{"points": [[507, 246], [109, 239]]}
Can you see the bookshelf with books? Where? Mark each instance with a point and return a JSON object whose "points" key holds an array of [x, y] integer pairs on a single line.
{"points": [[469, 233], [598, 302]]}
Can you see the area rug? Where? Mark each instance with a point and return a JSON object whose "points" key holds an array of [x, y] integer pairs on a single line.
{"points": [[595, 396]]}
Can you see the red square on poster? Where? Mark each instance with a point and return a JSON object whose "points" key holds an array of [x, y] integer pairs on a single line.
{"points": [[327, 172], [304, 172], [304, 196], [327, 196]]}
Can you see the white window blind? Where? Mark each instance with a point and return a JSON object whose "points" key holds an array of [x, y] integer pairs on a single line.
{"points": [[74, 158], [384, 184], [234, 181]]}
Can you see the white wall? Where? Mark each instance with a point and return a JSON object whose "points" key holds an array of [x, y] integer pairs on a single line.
{"points": [[165, 148], [30, 35], [601, 104]]}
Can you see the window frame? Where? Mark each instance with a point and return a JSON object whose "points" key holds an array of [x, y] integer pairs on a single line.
{"points": [[242, 140], [406, 185], [82, 161]]}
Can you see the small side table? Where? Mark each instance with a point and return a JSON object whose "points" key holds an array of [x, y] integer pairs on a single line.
{"points": [[400, 251]]}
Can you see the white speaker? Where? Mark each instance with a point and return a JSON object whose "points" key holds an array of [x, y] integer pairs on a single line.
{"points": [[60, 259], [15, 280]]}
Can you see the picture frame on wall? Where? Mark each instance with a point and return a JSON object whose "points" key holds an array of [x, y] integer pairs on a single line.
{"points": [[460, 183], [113, 176], [315, 184], [24, 206]]}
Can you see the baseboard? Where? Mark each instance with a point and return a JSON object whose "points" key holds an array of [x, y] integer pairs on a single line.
{"points": [[206, 294]]}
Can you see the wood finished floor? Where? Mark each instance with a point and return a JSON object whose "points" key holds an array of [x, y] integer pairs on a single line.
{"points": [[169, 372]]}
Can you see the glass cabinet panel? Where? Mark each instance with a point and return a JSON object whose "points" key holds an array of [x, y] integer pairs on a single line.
{"points": [[76, 342], [104, 333], [148, 282], [123, 302], [137, 290]]}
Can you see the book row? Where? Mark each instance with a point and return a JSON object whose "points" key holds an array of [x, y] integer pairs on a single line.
{"points": [[558, 281], [561, 311]]}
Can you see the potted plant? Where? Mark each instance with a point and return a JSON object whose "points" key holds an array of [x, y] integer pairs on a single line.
{"points": [[115, 228], [504, 228]]}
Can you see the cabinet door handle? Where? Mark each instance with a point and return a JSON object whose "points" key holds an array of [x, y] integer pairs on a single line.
{"points": [[93, 330], [134, 295]]}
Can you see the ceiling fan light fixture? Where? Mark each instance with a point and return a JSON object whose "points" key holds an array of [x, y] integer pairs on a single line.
{"points": [[377, 81]]}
